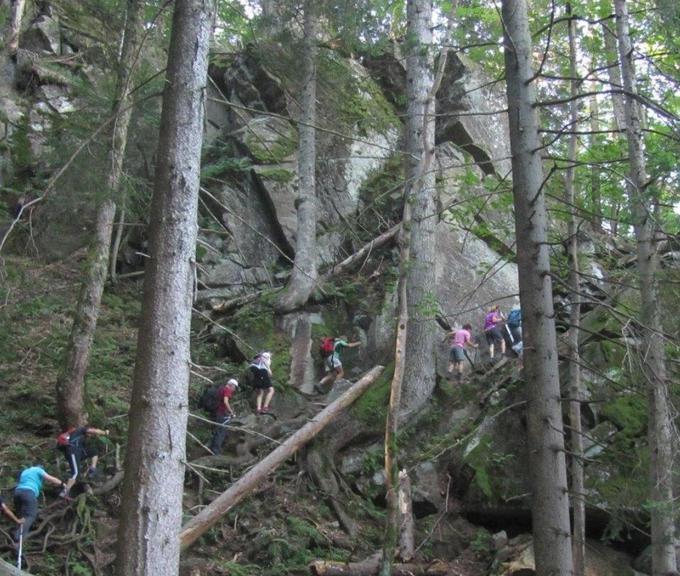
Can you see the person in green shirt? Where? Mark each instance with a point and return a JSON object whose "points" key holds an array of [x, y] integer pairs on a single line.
{"points": [[333, 364]]}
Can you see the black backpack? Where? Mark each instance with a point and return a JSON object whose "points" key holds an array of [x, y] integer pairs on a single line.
{"points": [[210, 398]]}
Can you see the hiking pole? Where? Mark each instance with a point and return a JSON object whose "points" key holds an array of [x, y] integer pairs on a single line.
{"points": [[21, 545]]}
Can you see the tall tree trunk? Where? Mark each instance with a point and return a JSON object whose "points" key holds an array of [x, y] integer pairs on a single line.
{"points": [[71, 381], [17, 8], [392, 420], [595, 183], [550, 500], [652, 358], [419, 370], [151, 509], [575, 392], [304, 275], [614, 74]]}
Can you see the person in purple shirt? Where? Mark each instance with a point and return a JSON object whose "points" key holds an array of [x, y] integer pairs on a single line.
{"points": [[492, 330], [460, 339]]}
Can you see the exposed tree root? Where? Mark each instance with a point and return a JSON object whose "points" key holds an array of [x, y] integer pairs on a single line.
{"points": [[322, 472]]}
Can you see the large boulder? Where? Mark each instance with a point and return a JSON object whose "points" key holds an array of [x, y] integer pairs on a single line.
{"points": [[516, 558]]}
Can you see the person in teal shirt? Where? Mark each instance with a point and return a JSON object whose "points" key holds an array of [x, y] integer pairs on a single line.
{"points": [[333, 364], [26, 496]]}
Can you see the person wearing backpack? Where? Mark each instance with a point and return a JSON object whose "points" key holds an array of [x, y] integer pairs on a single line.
{"points": [[73, 444], [26, 497], [514, 324], [223, 413], [492, 330], [261, 377], [333, 363]]}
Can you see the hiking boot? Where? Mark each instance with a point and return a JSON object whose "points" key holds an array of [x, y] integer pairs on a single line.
{"points": [[318, 389], [92, 473]]}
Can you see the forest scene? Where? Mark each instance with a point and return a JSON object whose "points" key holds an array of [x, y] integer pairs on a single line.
{"points": [[339, 287]]}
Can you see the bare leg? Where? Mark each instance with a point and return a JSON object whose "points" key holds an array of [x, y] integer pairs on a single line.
{"points": [[491, 350], [268, 398], [258, 400]]}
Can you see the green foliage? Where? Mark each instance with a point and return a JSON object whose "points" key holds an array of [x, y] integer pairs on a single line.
{"points": [[628, 413], [225, 165], [277, 174], [488, 466], [236, 569], [357, 98], [381, 195], [482, 545], [373, 404], [279, 145]]}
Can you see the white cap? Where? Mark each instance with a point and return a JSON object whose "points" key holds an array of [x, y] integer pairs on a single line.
{"points": [[232, 382], [266, 355]]}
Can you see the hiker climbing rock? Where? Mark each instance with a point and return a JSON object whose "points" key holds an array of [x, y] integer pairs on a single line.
{"points": [[223, 414], [73, 444], [26, 496], [332, 361], [494, 317], [261, 373], [514, 324], [460, 339]]}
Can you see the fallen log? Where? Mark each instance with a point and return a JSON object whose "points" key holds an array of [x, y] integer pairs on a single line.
{"points": [[407, 528], [361, 254], [205, 519], [372, 566], [6, 569]]}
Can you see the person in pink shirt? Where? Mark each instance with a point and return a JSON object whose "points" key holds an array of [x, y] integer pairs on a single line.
{"points": [[492, 330], [460, 339]]}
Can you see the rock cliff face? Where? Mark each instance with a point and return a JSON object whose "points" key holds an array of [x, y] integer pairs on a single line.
{"points": [[253, 109], [252, 116], [248, 214]]}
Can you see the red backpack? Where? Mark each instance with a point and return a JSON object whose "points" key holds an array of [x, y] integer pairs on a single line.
{"points": [[327, 346], [64, 439]]}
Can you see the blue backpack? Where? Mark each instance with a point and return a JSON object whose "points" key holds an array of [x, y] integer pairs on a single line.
{"points": [[515, 318]]}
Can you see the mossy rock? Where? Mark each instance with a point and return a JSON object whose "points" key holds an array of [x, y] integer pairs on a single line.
{"points": [[271, 140]]}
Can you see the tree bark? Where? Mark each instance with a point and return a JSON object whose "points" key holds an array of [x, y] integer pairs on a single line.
{"points": [[151, 509], [575, 392], [550, 501], [393, 412], [419, 371], [71, 381], [407, 528], [614, 75], [304, 275], [209, 516], [6, 569], [652, 358], [595, 183], [16, 16]]}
